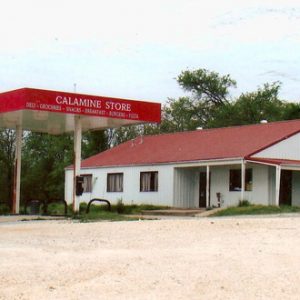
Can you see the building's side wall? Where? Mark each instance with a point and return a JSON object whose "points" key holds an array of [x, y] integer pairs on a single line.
{"points": [[131, 185], [287, 149]]}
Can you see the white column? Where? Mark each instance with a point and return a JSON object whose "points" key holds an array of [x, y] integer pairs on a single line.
{"points": [[207, 186], [243, 176], [17, 171], [77, 160], [277, 185]]}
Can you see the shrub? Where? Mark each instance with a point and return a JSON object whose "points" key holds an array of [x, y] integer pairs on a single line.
{"points": [[244, 203], [120, 207], [4, 208]]}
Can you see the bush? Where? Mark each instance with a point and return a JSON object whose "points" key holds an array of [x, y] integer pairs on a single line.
{"points": [[120, 207], [4, 208], [244, 203], [56, 208]]}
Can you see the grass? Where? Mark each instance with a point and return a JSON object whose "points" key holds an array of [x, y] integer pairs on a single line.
{"points": [[58, 209], [97, 212], [100, 212], [256, 210], [137, 209], [101, 216]]}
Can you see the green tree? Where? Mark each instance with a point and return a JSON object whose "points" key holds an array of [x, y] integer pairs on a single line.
{"points": [[209, 91], [207, 86], [291, 111], [7, 155], [123, 134], [251, 108], [94, 142], [179, 115], [44, 159]]}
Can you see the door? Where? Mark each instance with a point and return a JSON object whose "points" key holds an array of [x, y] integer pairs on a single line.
{"points": [[202, 190], [285, 195]]}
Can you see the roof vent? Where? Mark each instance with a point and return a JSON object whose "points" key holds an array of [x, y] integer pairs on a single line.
{"points": [[263, 122]]}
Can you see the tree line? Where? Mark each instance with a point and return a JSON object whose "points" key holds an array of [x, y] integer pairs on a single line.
{"points": [[208, 103]]}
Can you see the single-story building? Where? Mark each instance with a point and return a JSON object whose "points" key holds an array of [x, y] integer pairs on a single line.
{"points": [[259, 163]]}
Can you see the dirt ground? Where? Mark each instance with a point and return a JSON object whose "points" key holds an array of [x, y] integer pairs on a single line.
{"points": [[197, 258]]}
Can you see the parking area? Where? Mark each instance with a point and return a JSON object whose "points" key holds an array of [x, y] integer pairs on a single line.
{"points": [[195, 258]]}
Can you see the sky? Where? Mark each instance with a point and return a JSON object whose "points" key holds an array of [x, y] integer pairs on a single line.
{"points": [[135, 49]]}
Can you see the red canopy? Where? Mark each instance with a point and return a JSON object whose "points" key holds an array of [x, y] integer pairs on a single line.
{"points": [[53, 111], [58, 112]]}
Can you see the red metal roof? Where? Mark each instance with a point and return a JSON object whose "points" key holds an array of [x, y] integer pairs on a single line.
{"points": [[207, 144]]}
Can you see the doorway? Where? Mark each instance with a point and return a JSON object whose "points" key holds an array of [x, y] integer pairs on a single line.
{"points": [[202, 190], [285, 195]]}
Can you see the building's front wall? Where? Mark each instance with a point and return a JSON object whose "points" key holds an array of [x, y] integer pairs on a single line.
{"points": [[179, 186], [186, 187], [263, 186], [220, 184], [131, 185]]}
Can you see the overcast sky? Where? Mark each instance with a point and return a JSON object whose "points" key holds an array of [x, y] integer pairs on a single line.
{"points": [[135, 49]]}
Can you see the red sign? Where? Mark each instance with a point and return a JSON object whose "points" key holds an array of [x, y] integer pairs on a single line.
{"points": [[87, 105]]}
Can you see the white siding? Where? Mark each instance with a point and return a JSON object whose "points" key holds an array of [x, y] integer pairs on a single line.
{"points": [[69, 186], [186, 187], [287, 149], [220, 184], [131, 185], [179, 187]]}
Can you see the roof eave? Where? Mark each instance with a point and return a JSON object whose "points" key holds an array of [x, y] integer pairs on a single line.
{"points": [[211, 162]]}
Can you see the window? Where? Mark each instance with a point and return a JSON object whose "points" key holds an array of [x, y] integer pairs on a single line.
{"points": [[235, 180], [149, 181], [115, 182], [87, 183]]}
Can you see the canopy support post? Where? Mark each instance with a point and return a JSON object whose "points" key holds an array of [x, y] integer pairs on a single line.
{"points": [[277, 185], [243, 177], [17, 171], [77, 160], [207, 186]]}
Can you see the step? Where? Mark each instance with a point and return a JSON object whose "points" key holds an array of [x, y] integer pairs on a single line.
{"points": [[173, 212]]}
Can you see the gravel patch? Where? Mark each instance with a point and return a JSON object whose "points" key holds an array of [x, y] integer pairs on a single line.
{"points": [[196, 258]]}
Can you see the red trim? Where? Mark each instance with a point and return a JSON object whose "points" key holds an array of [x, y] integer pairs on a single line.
{"points": [[274, 161]]}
